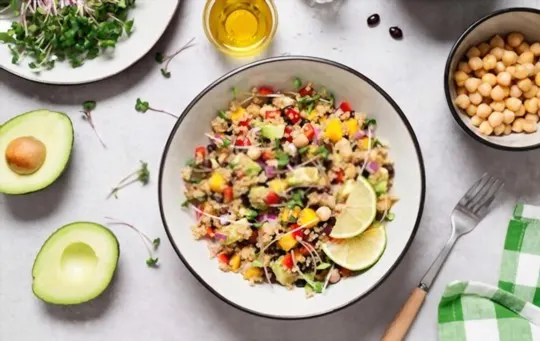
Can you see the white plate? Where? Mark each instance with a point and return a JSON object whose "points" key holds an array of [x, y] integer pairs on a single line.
{"points": [[151, 19], [364, 95]]}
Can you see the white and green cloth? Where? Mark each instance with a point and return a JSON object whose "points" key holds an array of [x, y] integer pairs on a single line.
{"points": [[473, 311]]}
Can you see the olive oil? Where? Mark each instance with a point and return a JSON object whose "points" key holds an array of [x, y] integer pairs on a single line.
{"points": [[240, 27]]}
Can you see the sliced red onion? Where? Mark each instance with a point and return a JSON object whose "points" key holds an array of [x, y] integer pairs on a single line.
{"points": [[359, 134], [317, 132], [372, 167], [219, 236], [271, 216], [270, 171]]}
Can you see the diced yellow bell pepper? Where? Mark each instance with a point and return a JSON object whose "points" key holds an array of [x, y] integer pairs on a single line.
{"points": [[352, 126], [308, 218], [238, 114], [364, 143], [278, 185], [287, 213], [217, 182], [287, 242], [253, 273], [234, 263], [334, 131], [312, 116]]}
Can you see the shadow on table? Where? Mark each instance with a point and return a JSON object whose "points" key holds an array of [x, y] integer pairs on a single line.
{"points": [[109, 87], [92, 310], [445, 19]]}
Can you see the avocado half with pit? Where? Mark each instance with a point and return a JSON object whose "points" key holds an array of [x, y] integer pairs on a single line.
{"points": [[75, 264], [35, 148]]}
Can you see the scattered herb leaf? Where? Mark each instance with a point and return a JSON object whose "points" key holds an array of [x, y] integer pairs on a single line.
{"points": [[88, 106], [370, 122], [141, 175], [156, 242], [143, 106], [282, 159], [160, 58], [297, 83]]}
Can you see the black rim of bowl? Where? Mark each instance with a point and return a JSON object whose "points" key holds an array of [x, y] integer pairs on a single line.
{"points": [[447, 79], [273, 60]]}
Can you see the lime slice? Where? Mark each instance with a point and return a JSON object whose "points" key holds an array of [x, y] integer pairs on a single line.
{"points": [[360, 252], [359, 211]]}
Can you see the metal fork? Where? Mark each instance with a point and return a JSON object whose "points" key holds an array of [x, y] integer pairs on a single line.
{"points": [[469, 211]]}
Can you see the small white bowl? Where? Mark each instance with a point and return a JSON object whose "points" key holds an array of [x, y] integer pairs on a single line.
{"points": [[346, 83], [518, 19]]}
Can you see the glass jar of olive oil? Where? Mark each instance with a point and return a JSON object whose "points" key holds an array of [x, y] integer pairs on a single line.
{"points": [[240, 28]]}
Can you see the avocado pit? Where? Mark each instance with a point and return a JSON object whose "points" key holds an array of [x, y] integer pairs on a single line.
{"points": [[25, 155]]}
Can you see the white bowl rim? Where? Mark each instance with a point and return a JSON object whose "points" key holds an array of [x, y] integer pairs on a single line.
{"points": [[268, 61], [447, 72]]}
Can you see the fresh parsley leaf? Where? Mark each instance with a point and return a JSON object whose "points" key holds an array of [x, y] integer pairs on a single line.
{"points": [[323, 266], [297, 83], [141, 106]]}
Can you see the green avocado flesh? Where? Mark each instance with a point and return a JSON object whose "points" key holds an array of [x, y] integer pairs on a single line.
{"points": [[55, 131], [76, 264]]}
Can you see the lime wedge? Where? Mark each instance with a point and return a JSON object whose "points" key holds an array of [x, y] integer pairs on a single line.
{"points": [[359, 211], [360, 252]]}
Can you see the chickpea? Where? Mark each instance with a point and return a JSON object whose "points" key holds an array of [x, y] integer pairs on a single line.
{"points": [[480, 73], [515, 91], [499, 130], [462, 91], [511, 70], [471, 110], [483, 111], [509, 57], [537, 79], [324, 213], [506, 91], [254, 153], [513, 103], [531, 93], [485, 128], [495, 119], [499, 67], [497, 106], [476, 121], [531, 105], [529, 126], [489, 78], [507, 129], [517, 126], [531, 69], [475, 98], [526, 57], [522, 47], [476, 63], [531, 117], [508, 47], [537, 68], [472, 83], [485, 89], [460, 76], [484, 48], [535, 49], [521, 72], [515, 39], [521, 111], [464, 66], [508, 116], [301, 140], [497, 41], [463, 101], [504, 78], [525, 84], [497, 94], [497, 52], [473, 52]]}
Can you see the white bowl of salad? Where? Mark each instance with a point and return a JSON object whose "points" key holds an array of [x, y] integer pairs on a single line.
{"points": [[292, 187]]}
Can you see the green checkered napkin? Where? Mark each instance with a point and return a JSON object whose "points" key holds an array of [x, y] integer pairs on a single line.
{"points": [[473, 311]]}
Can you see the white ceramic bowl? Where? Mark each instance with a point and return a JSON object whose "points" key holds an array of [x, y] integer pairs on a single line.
{"points": [[346, 83], [524, 20]]}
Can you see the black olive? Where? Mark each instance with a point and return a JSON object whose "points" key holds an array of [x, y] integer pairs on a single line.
{"points": [[300, 283], [396, 32], [331, 221], [207, 163], [373, 20], [211, 147], [327, 163]]}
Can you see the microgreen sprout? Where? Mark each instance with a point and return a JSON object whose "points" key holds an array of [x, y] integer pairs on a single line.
{"points": [[161, 58], [141, 175], [297, 83], [151, 245], [88, 107], [143, 106]]}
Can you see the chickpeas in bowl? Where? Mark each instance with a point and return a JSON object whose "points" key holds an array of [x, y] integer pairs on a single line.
{"points": [[492, 79]]}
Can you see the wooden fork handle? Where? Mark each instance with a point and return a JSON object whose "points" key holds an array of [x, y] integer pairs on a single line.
{"points": [[406, 316]]}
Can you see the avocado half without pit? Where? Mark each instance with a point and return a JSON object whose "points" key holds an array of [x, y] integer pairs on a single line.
{"points": [[76, 264], [35, 148]]}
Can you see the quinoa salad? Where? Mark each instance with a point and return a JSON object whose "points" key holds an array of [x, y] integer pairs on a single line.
{"points": [[274, 178]]}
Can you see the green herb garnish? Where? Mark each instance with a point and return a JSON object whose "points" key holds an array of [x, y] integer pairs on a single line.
{"points": [[160, 58], [185, 203], [152, 262], [257, 263], [156, 242], [323, 266], [257, 225], [390, 216], [226, 142], [223, 115], [323, 152], [303, 150], [251, 214], [297, 83], [282, 159], [234, 91], [141, 175], [298, 197], [88, 106], [143, 106], [370, 122]]}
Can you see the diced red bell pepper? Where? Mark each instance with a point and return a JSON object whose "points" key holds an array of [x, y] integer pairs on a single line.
{"points": [[267, 155], [200, 151], [243, 141], [309, 131], [306, 91], [272, 198], [287, 261], [297, 233], [228, 194], [293, 115], [340, 176], [245, 123], [303, 251], [272, 114], [265, 90], [210, 232], [287, 135], [345, 106], [223, 258]]}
